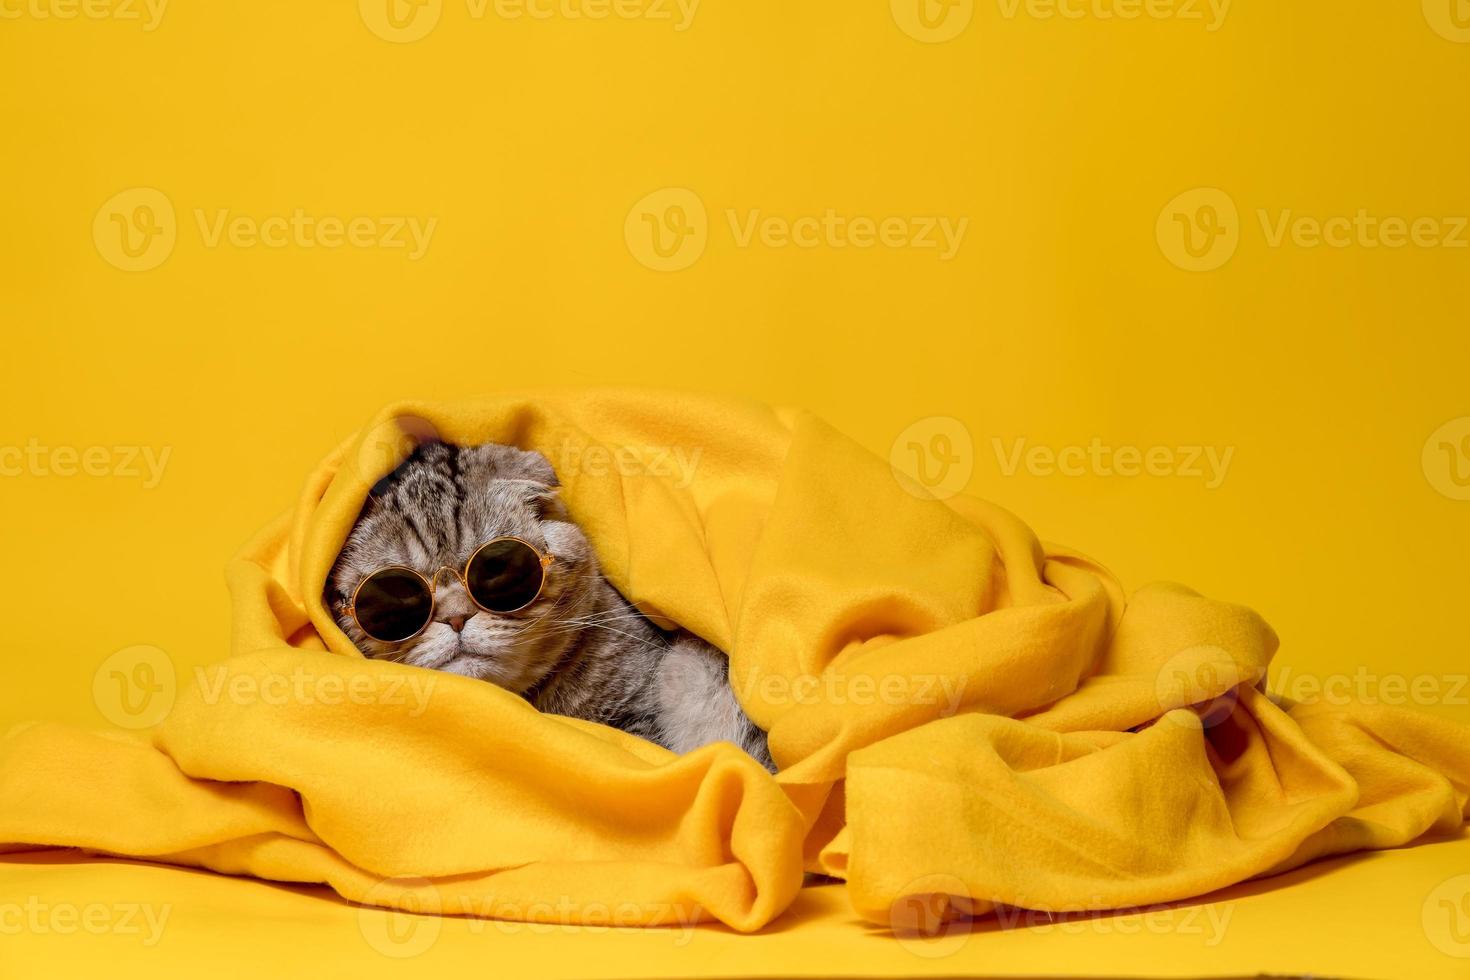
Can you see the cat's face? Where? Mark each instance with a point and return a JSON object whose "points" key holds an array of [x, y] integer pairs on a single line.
{"points": [[432, 513]]}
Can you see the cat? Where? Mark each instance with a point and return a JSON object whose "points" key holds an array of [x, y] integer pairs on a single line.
{"points": [[579, 649]]}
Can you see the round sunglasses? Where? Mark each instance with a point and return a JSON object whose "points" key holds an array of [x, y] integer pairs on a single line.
{"points": [[396, 603]]}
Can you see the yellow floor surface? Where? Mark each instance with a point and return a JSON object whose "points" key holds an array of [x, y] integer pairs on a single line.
{"points": [[1398, 914]]}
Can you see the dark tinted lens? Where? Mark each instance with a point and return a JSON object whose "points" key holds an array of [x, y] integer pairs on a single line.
{"points": [[393, 604], [504, 575]]}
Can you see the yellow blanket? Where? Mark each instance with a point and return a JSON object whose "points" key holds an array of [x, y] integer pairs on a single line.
{"points": [[963, 717]]}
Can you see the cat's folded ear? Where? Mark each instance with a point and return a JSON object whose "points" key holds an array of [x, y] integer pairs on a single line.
{"points": [[510, 463], [532, 474], [493, 461], [533, 466], [543, 498]]}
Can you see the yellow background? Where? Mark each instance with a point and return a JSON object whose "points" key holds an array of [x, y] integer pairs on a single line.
{"points": [[1061, 318]]}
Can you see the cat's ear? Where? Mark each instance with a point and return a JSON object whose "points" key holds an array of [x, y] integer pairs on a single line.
{"points": [[543, 498], [523, 464]]}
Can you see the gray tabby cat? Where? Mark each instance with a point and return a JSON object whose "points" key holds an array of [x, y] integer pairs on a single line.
{"points": [[579, 649]]}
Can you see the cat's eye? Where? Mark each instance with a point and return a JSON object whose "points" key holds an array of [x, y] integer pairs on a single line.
{"points": [[396, 603]]}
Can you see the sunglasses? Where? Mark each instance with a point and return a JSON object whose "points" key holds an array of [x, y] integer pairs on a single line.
{"points": [[396, 603]]}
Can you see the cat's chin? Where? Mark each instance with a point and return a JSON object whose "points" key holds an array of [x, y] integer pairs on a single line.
{"points": [[472, 655], [433, 652], [485, 668]]}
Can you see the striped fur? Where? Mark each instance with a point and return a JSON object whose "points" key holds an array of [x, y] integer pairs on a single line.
{"points": [[580, 649]]}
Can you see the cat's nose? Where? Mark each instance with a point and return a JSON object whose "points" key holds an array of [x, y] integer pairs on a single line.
{"points": [[456, 623]]}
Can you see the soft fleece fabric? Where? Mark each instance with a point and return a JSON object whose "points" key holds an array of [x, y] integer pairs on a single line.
{"points": [[963, 716]]}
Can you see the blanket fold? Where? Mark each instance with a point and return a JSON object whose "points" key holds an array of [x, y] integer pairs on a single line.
{"points": [[963, 716]]}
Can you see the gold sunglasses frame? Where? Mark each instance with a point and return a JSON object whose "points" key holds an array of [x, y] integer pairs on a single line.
{"points": [[431, 583]]}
